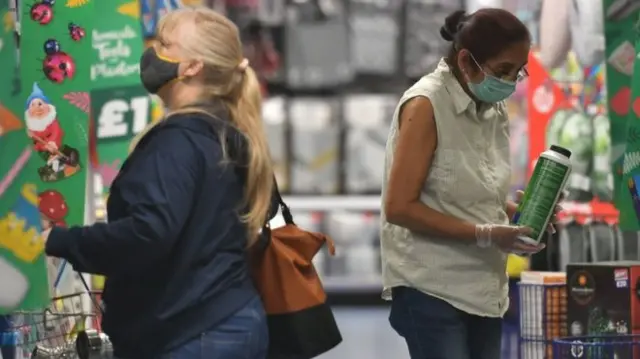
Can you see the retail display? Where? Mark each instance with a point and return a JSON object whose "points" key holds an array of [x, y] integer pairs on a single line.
{"points": [[530, 13], [602, 300], [620, 17], [274, 117], [271, 12], [601, 175], [555, 32], [314, 145], [374, 35], [262, 53], [519, 138], [24, 280], [45, 179], [423, 46], [543, 312], [570, 101], [153, 10], [627, 200], [541, 196], [355, 235], [571, 25], [120, 105], [327, 62], [149, 17], [367, 118], [576, 134], [56, 330], [587, 31]]}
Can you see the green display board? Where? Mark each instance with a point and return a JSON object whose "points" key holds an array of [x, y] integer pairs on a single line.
{"points": [[120, 104], [44, 160], [620, 38], [23, 283], [629, 197]]}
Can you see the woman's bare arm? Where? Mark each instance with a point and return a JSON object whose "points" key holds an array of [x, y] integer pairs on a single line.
{"points": [[415, 147]]}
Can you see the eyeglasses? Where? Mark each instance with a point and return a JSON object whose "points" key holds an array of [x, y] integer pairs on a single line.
{"points": [[521, 75]]}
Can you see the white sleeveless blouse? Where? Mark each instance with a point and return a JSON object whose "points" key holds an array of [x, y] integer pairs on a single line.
{"points": [[469, 179]]}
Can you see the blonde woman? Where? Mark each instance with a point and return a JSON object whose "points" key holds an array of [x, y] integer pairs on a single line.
{"points": [[188, 201]]}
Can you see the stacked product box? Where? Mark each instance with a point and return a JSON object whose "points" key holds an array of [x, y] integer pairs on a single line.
{"points": [[543, 313]]}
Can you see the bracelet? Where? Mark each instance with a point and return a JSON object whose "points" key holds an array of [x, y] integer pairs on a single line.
{"points": [[483, 235]]}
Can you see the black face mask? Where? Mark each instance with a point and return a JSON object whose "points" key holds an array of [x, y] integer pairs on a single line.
{"points": [[156, 72]]}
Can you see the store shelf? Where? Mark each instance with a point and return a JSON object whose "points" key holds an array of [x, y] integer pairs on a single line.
{"points": [[331, 203]]}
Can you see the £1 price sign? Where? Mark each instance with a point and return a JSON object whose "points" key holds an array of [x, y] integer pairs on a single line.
{"points": [[120, 114]]}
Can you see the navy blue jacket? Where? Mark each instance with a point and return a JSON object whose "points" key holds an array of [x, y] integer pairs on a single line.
{"points": [[173, 250]]}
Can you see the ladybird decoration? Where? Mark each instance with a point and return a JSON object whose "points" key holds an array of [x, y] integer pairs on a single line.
{"points": [[57, 65], [42, 11], [51, 46], [76, 32]]}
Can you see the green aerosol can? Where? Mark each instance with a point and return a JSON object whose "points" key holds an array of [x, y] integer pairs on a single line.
{"points": [[543, 192]]}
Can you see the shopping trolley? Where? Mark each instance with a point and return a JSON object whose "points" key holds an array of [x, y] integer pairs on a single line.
{"points": [[67, 329], [598, 347]]}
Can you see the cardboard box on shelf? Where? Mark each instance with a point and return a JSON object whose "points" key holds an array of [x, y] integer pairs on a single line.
{"points": [[603, 300], [543, 312]]}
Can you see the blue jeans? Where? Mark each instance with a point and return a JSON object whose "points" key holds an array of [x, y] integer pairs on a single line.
{"points": [[433, 329], [244, 335], [7, 351]]}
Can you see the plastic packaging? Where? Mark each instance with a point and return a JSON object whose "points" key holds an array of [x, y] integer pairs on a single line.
{"points": [[543, 192]]}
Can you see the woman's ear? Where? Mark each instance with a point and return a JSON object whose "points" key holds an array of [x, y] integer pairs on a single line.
{"points": [[463, 63], [193, 68]]}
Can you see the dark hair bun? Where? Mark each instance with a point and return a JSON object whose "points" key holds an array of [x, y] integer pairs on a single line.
{"points": [[452, 24]]}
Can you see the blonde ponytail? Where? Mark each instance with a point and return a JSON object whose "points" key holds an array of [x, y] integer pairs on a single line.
{"points": [[246, 114]]}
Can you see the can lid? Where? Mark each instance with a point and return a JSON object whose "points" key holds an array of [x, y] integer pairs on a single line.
{"points": [[561, 150]]}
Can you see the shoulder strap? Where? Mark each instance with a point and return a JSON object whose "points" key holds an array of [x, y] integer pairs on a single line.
{"points": [[286, 212], [276, 202]]}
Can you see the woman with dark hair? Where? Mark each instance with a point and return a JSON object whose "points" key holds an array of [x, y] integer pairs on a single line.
{"points": [[445, 222]]}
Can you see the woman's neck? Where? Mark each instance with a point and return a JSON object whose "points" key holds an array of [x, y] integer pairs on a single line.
{"points": [[183, 96]]}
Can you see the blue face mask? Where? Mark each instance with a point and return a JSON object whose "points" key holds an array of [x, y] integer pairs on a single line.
{"points": [[492, 89]]}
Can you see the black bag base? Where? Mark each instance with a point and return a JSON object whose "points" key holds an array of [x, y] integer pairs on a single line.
{"points": [[304, 334]]}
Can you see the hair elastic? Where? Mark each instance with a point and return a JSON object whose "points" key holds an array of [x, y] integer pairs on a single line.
{"points": [[242, 66]]}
